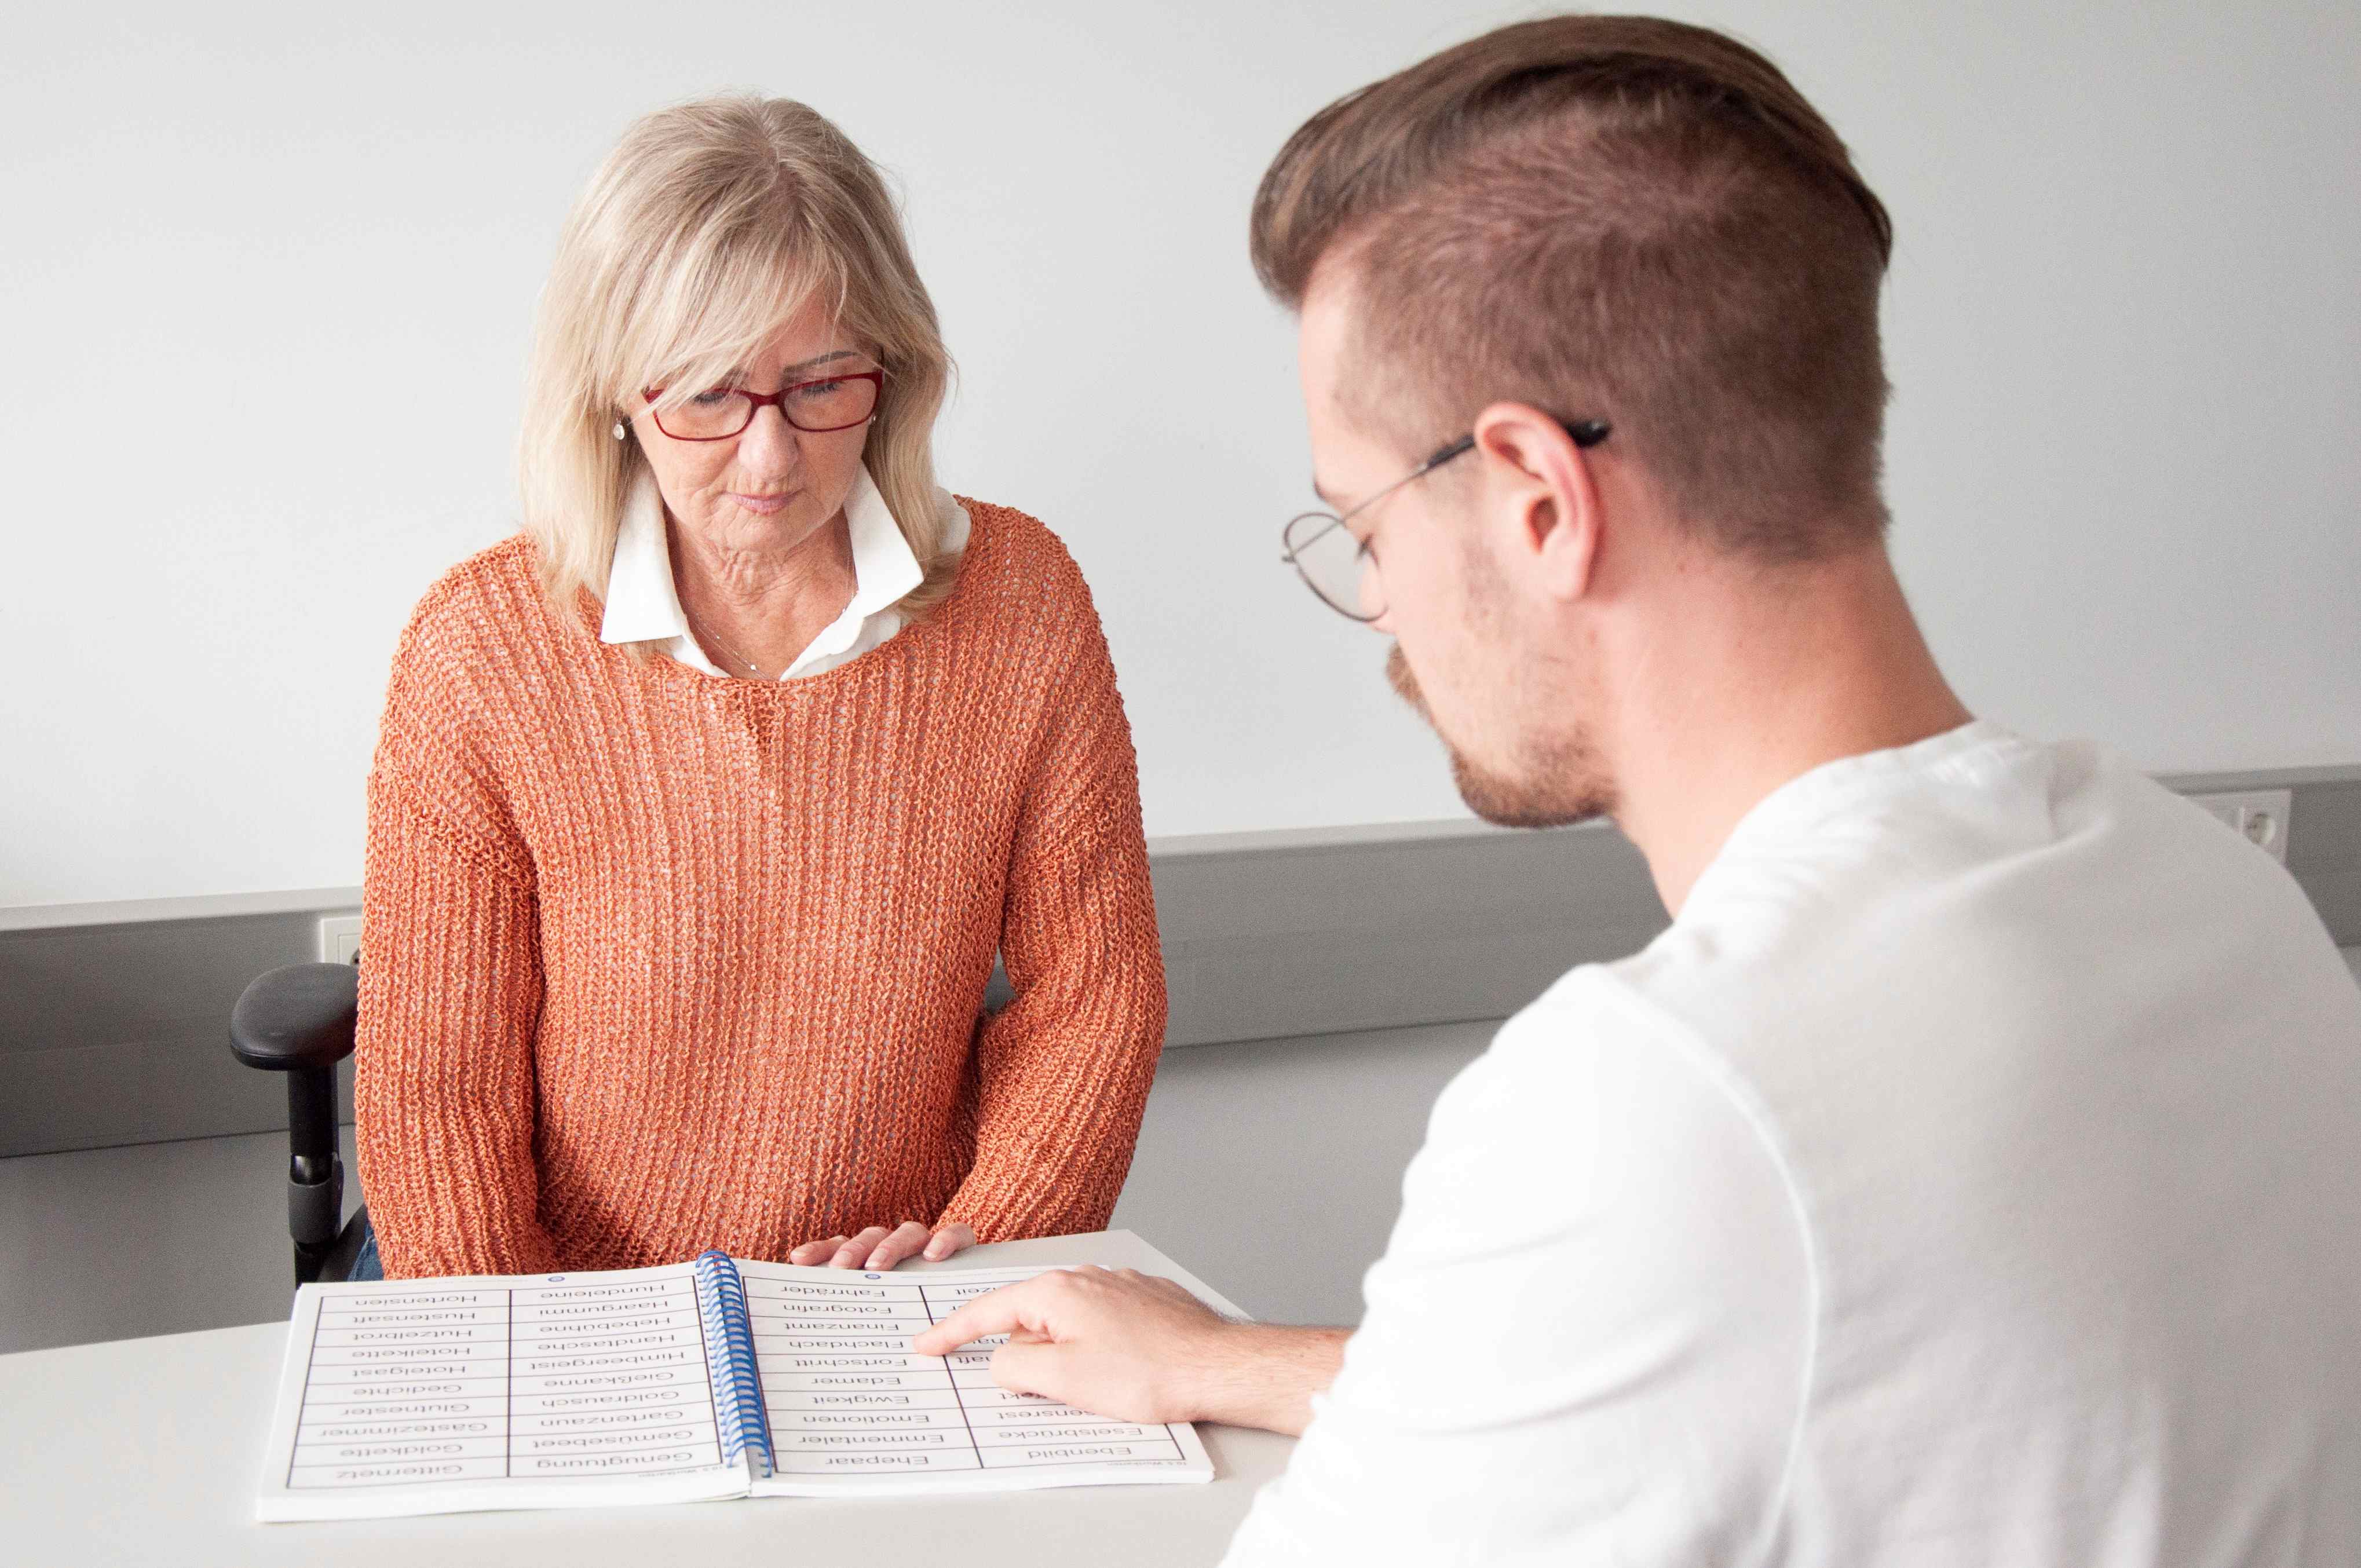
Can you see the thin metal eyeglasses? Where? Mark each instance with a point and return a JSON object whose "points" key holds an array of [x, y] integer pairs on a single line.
{"points": [[830, 402], [1335, 566]]}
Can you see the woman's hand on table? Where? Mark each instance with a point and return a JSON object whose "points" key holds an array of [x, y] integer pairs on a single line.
{"points": [[883, 1247]]}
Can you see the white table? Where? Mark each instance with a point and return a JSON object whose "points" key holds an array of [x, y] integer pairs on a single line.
{"points": [[148, 1449]]}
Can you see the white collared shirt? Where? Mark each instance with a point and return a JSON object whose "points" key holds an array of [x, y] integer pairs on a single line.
{"points": [[643, 604]]}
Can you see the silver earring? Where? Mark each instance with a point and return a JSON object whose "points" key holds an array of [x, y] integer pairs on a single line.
{"points": [[618, 430]]}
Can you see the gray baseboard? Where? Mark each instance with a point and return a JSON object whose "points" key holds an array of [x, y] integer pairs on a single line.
{"points": [[112, 1016], [1273, 935], [115, 1030], [2323, 846]]}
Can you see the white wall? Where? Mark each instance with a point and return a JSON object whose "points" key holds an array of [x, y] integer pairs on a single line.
{"points": [[267, 274]]}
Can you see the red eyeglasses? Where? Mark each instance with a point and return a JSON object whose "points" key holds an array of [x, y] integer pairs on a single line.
{"points": [[835, 402]]}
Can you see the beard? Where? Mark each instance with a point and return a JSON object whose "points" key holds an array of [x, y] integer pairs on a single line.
{"points": [[1559, 780]]}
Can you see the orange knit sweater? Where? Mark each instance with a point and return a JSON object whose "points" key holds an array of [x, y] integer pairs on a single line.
{"points": [[657, 961]]}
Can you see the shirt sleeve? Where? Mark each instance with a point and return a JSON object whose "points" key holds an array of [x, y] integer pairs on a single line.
{"points": [[1063, 1072], [1590, 1337], [450, 997]]}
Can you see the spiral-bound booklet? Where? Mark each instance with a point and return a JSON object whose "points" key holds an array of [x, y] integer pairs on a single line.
{"points": [[712, 1379]]}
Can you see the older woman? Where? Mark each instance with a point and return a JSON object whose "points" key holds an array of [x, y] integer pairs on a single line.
{"points": [[701, 807]]}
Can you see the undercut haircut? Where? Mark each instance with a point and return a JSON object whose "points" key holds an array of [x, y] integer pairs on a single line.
{"points": [[1607, 217]]}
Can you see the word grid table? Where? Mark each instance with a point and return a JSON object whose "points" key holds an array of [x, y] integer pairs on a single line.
{"points": [[844, 1393], [475, 1383]]}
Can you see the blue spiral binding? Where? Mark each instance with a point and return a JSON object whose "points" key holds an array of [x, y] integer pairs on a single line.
{"points": [[722, 1293]]}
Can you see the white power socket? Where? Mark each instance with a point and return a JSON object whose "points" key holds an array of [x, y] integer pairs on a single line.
{"points": [[2260, 816], [340, 938]]}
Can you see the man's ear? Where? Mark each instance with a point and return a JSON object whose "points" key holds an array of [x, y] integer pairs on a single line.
{"points": [[1540, 484]]}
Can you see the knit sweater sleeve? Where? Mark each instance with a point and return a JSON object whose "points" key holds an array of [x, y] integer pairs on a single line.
{"points": [[451, 990], [1063, 1072]]}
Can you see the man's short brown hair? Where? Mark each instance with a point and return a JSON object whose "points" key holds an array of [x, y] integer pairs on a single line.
{"points": [[1608, 217]]}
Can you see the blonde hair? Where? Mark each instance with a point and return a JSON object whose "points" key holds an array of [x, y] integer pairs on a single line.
{"points": [[708, 225]]}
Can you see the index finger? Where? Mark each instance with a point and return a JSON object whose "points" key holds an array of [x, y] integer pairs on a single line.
{"points": [[1010, 1307]]}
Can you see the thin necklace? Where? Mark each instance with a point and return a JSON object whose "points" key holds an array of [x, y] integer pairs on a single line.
{"points": [[753, 668]]}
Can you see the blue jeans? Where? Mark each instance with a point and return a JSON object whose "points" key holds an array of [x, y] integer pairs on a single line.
{"points": [[366, 1263]]}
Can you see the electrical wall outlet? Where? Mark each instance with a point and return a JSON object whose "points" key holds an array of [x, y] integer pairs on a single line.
{"points": [[340, 938], [2258, 816]]}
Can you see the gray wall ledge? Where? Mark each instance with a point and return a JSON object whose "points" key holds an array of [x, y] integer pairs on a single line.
{"points": [[112, 1016]]}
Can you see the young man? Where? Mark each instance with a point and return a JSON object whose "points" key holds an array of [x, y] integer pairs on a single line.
{"points": [[1966, 1175]]}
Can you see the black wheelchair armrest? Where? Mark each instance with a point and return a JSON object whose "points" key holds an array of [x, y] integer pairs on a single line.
{"points": [[299, 1021], [298, 1016]]}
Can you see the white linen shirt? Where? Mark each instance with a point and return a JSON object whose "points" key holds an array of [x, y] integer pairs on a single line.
{"points": [[1966, 1178], [644, 603]]}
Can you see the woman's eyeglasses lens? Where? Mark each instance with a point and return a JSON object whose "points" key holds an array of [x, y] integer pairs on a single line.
{"points": [[815, 406], [1334, 564]]}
